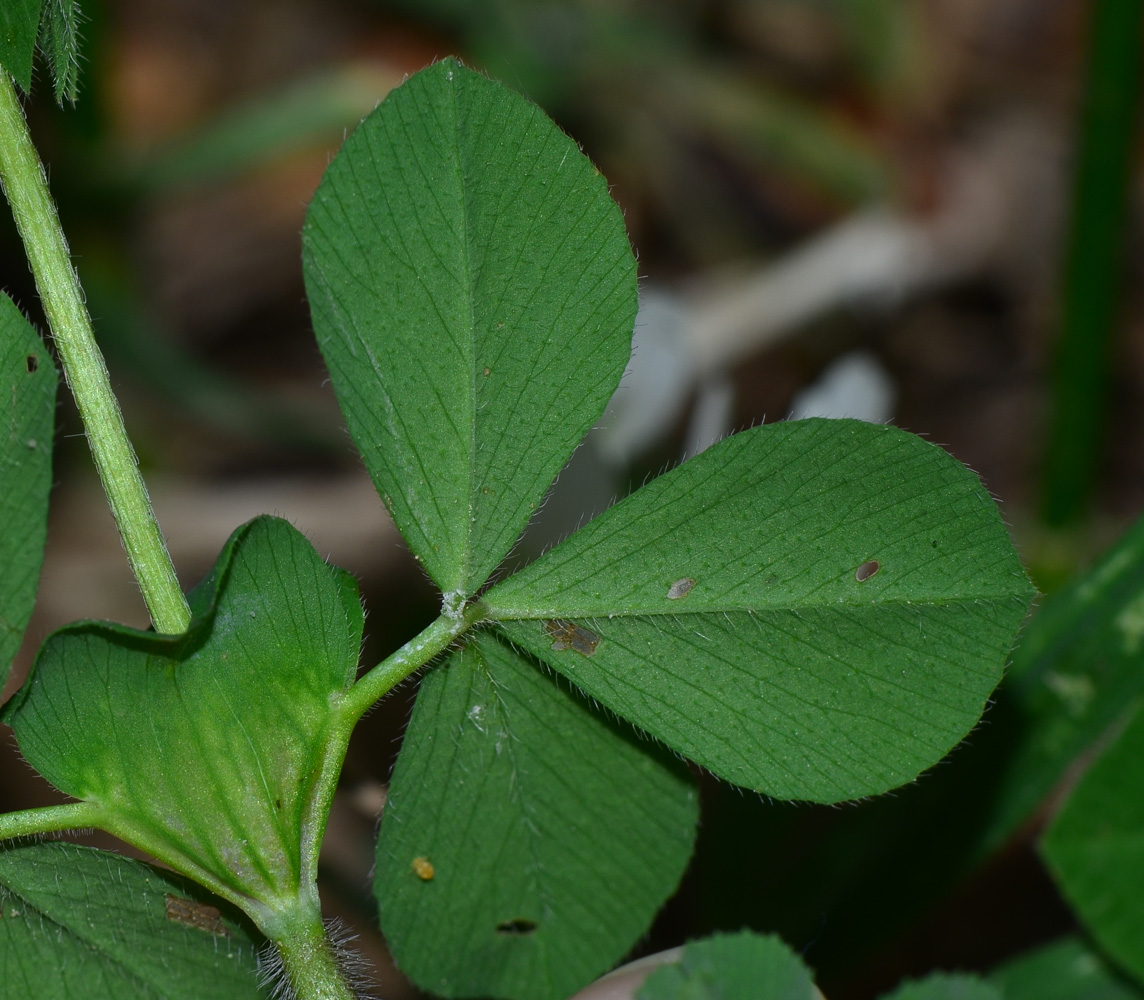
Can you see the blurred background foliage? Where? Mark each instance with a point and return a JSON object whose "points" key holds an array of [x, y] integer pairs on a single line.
{"points": [[927, 211]]}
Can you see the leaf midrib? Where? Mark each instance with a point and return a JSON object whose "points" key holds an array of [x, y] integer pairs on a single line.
{"points": [[609, 613], [463, 582]]}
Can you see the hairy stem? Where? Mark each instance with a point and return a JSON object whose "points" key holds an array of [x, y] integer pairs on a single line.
{"points": [[24, 184], [47, 819], [306, 966]]}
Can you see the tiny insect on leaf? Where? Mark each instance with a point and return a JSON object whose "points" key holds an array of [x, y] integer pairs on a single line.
{"points": [[569, 635]]}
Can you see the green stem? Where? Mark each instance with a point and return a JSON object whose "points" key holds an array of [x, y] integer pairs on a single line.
{"points": [[353, 705], [309, 959], [47, 819], [414, 654], [24, 184]]}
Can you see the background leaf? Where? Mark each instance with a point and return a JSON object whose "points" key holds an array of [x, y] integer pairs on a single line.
{"points": [[19, 21], [741, 966], [1063, 970], [815, 609], [28, 398], [1074, 672], [473, 292], [1095, 848], [76, 922], [553, 834], [203, 750], [944, 986]]}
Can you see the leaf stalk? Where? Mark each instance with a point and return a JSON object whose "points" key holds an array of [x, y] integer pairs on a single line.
{"points": [[48, 819], [417, 652]]}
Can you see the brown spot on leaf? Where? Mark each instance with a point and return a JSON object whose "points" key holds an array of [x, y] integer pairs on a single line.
{"points": [[487, 372], [568, 635], [201, 916], [866, 570], [423, 869], [681, 588]]}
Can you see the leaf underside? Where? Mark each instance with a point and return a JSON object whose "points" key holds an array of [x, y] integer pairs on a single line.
{"points": [[552, 836], [473, 293], [202, 749], [816, 609], [28, 399], [76, 922]]}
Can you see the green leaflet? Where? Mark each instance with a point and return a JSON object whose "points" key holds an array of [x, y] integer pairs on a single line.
{"points": [[19, 23], [742, 966], [1095, 848], [28, 398], [1064, 970], [76, 922], [206, 750], [473, 293], [944, 986], [816, 609], [553, 834]]}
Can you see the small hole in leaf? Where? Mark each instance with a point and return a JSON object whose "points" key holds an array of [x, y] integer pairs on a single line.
{"points": [[423, 869], [866, 570], [32, 362], [277, 803], [516, 927], [568, 635], [201, 916], [681, 588]]}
